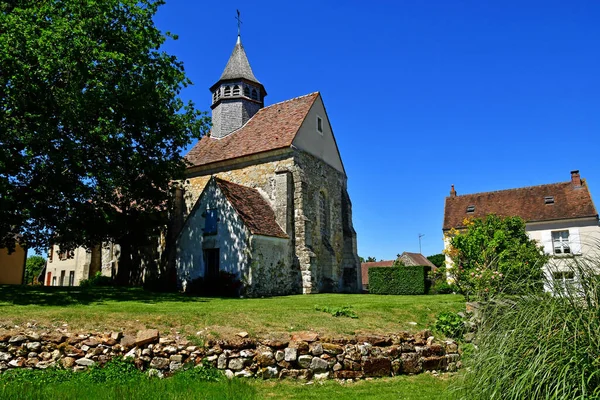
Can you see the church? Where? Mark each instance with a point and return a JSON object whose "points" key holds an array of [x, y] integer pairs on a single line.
{"points": [[265, 195]]}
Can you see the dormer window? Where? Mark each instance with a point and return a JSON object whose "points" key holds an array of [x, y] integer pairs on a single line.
{"points": [[254, 94], [470, 209], [227, 91], [236, 90], [246, 91], [549, 200], [320, 125]]}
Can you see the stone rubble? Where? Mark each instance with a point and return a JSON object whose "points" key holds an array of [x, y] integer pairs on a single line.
{"points": [[303, 357]]}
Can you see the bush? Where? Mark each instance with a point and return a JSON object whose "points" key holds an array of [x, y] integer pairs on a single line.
{"points": [[97, 280], [345, 311], [450, 324], [540, 345], [225, 284], [398, 280]]}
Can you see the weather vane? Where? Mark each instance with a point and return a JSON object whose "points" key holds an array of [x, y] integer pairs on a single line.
{"points": [[239, 21]]}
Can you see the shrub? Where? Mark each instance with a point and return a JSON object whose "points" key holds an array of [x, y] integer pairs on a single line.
{"points": [[540, 345], [225, 284], [442, 287], [450, 324], [398, 280], [97, 280]]}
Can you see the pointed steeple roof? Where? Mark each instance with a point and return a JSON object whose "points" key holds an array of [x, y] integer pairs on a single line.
{"points": [[238, 66]]}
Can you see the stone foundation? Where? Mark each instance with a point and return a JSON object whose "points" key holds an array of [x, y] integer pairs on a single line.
{"points": [[304, 356]]}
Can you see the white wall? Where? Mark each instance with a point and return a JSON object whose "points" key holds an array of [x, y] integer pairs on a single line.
{"points": [[231, 238], [79, 263]]}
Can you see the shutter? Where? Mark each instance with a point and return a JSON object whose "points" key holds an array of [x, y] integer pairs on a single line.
{"points": [[547, 242], [574, 241]]}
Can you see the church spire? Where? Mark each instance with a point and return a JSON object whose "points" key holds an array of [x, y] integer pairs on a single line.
{"points": [[237, 95]]}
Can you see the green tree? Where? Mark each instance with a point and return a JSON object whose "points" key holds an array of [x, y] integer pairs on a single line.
{"points": [[371, 259], [439, 260], [495, 255], [33, 267], [91, 124]]}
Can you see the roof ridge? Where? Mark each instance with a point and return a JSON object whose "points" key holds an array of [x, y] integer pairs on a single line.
{"points": [[509, 190]]}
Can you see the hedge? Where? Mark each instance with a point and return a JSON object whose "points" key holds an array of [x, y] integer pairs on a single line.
{"points": [[398, 280]]}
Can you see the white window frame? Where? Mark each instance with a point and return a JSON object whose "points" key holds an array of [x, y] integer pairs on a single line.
{"points": [[562, 238]]}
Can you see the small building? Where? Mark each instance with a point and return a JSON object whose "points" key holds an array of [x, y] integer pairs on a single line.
{"points": [[561, 217], [12, 266], [409, 259], [364, 270], [69, 268]]}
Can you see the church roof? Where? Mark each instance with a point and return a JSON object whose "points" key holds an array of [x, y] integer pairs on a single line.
{"points": [[253, 209], [549, 202], [271, 128], [238, 66]]}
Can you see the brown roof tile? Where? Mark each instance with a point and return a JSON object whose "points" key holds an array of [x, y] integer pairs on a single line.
{"points": [[364, 268], [271, 128], [570, 201], [254, 210], [416, 259]]}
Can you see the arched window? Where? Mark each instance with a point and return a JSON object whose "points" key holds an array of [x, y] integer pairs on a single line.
{"points": [[236, 90], [246, 91], [254, 94], [324, 215], [227, 91]]}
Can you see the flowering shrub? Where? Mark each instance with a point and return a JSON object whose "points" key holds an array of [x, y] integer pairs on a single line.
{"points": [[495, 255]]}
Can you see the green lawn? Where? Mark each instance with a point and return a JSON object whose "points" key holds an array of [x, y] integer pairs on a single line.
{"points": [[106, 309]]}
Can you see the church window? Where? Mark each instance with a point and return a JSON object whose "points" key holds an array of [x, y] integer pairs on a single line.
{"points": [[319, 125], [210, 223], [227, 91], [246, 91], [236, 90], [254, 94], [215, 96], [324, 215]]}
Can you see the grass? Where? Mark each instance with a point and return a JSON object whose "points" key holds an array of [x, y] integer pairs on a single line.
{"points": [[121, 382], [131, 309]]}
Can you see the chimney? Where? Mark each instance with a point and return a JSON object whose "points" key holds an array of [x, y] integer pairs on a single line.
{"points": [[575, 178], [452, 192]]}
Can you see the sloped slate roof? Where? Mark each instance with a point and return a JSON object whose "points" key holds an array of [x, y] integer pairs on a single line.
{"points": [[271, 128], [238, 66], [416, 259], [570, 201], [364, 268], [253, 209]]}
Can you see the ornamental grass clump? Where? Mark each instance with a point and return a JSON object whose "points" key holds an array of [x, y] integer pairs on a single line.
{"points": [[540, 345]]}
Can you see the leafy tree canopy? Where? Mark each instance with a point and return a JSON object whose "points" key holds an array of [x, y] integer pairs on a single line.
{"points": [[91, 121], [495, 254], [438, 260], [33, 267]]}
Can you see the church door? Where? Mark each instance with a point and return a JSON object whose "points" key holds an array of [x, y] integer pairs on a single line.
{"points": [[211, 259]]}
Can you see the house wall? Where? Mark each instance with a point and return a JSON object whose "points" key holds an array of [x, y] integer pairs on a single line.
{"points": [[79, 263], [271, 269], [232, 240], [12, 266]]}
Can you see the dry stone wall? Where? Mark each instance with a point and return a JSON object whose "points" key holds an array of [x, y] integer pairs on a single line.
{"points": [[304, 356]]}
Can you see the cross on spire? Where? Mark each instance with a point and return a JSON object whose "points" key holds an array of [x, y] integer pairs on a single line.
{"points": [[239, 21]]}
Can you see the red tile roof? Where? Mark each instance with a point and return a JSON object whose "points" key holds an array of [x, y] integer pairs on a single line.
{"points": [[254, 210], [364, 268], [570, 201], [271, 128]]}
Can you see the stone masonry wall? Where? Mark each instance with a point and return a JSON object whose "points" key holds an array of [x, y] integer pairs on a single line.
{"points": [[303, 356]]}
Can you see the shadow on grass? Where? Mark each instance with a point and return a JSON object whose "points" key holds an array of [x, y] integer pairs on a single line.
{"points": [[66, 296]]}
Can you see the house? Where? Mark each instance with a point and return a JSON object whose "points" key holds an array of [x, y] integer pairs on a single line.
{"points": [[364, 268], [69, 268], [561, 217], [12, 266], [265, 196], [408, 259]]}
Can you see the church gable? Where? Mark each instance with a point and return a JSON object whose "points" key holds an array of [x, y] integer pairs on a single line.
{"points": [[315, 136]]}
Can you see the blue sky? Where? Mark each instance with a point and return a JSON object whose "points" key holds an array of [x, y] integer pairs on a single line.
{"points": [[421, 94]]}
